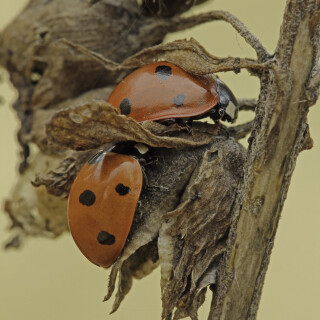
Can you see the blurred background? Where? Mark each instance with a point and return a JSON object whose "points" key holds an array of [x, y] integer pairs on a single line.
{"points": [[50, 279]]}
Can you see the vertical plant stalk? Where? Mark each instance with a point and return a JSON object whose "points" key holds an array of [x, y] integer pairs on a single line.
{"points": [[280, 132]]}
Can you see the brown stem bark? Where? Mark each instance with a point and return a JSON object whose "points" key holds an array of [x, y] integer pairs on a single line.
{"points": [[277, 138]]}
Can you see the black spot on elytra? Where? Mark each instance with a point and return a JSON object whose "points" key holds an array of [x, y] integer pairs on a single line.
{"points": [[179, 99], [96, 157], [87, 198], [122, 190], [125, 106], [106, 238], [163, 72]]}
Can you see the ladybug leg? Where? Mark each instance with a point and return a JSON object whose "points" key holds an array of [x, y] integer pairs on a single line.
{"points": [[189, 125], [168, 122], [143, 162], [215, 113], [145, 177], [147, 185], [161, 188], [219, 113], [185, 124], [189, 122]]}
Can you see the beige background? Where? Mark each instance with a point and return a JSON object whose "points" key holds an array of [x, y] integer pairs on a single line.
{"points": [[51, 280]]}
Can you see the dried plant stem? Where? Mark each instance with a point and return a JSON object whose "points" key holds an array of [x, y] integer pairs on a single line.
{"points": [[314, 85], [248, 36], [272, 155], [181, 23], [247, 104]]}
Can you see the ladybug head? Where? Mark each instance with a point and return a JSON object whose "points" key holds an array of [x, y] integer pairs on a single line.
{"points": [[227, 102]]}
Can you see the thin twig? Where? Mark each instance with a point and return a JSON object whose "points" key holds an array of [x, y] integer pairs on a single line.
{"points": [[248, 36], [107, 63], [247, 104], [240, 131], [180, 52]]}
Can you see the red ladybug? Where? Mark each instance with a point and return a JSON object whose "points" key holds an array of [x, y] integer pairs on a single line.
{"points": [[102, 203], [162, 91]]}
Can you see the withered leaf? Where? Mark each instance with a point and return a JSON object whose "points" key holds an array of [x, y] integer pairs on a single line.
{"points": [[187, 54], [58, 181], [34, 211], [94, 124], [199, 226], [187, 219], [191, 56]]}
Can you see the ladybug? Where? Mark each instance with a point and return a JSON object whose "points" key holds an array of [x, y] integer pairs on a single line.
{"points": [[102, 203], [162, 91]]}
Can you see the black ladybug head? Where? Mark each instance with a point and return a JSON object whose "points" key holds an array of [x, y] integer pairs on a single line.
{"points": [[227, 102]]}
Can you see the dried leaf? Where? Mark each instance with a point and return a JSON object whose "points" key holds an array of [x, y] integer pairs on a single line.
{"points": [[59, 180], [187, 54], [94, 124], [199, 225], [190, 56], [32, 210], [188, 228], [42, 116], [141, 263]]}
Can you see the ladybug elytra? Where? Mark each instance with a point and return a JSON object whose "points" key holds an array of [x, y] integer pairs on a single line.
{"points": [[162, 91], [102, 203]]}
